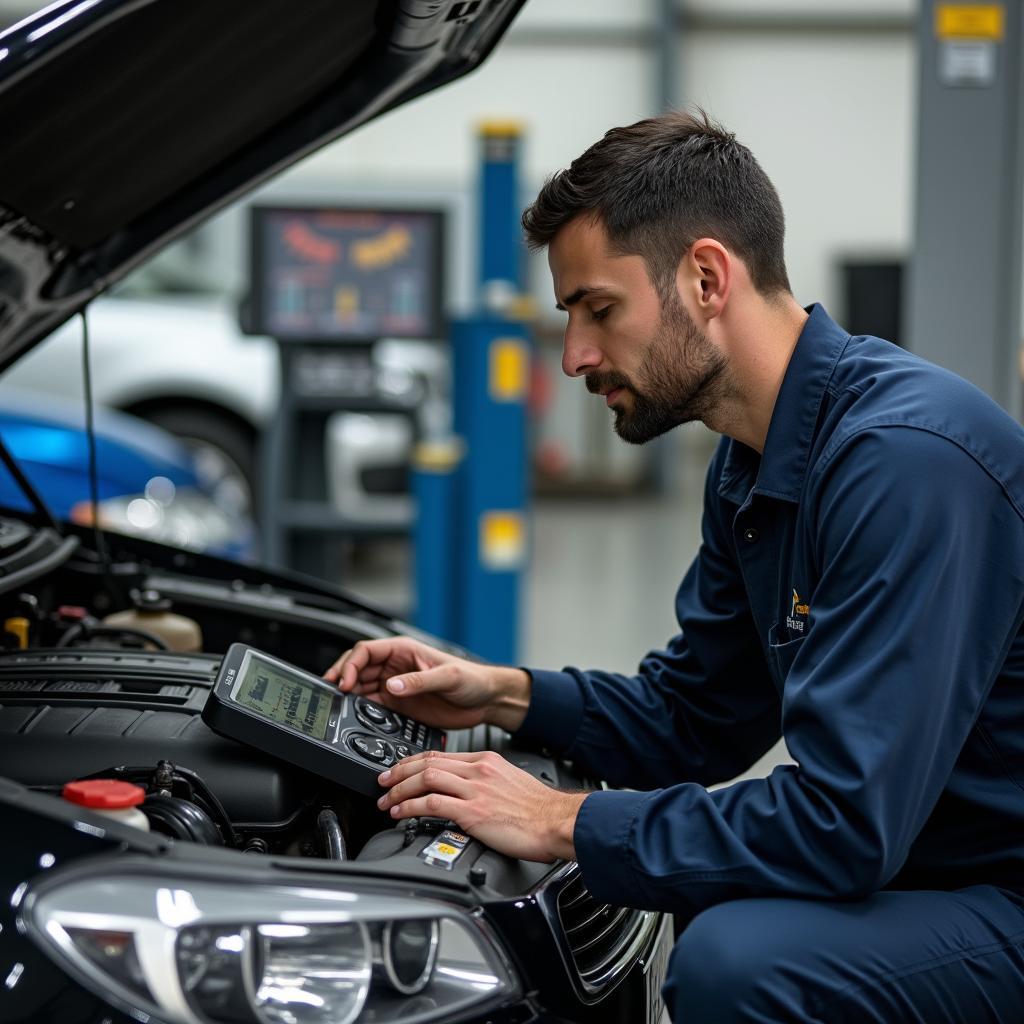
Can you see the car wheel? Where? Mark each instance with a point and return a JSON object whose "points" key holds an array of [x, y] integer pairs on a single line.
{"points": [[224, 449]]}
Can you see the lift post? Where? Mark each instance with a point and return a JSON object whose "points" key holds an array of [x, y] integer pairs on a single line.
{"points": [[490, 359], [963, 308], [484, 506]]}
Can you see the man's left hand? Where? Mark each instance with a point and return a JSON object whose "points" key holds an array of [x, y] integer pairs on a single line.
{"points": [[490, 799]]}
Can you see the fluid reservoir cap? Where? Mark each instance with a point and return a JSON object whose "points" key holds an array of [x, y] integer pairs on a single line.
{"points": [[72, 612], [149, 600], [104, 794]]}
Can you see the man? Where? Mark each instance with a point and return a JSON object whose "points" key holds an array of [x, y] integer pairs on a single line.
{"points": [[859, 591]]}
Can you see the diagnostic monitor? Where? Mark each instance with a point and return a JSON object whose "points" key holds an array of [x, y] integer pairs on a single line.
{"points": [[298, 717], [346, 275]]}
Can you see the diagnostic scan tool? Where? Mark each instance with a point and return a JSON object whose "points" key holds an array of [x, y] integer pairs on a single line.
{"points": [[300, 718]]}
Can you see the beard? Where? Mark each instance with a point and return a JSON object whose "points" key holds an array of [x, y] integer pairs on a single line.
{"points": [[681, 378]]}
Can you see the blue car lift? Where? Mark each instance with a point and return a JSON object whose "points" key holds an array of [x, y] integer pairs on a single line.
{"points": [[471, 530]]}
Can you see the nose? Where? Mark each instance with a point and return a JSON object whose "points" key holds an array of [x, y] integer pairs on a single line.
{"points": [[579, 355]]}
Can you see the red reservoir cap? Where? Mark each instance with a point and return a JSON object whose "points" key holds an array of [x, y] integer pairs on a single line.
{"points": [[104, 794], [72, 612]]}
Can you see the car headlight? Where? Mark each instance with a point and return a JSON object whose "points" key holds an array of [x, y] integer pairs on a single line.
{"points": [[182, 517], [206, 952]]}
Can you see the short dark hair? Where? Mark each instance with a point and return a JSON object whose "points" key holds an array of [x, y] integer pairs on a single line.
{"points": [[662, 183]]}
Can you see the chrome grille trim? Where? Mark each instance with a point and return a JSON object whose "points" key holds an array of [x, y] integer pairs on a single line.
{"points": [[602, 941]]}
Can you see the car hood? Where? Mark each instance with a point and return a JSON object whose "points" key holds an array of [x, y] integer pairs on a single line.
{"points": [[127, 122]]}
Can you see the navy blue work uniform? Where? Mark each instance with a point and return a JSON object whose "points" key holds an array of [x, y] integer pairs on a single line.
{"points": [[859, 591]]}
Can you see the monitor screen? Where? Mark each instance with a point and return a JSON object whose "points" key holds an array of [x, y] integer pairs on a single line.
{"points": [[275, 694], [346, 274]]}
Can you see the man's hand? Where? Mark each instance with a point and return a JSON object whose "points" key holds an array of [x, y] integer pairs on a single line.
{"points": [[432, 687], [492, 800]]}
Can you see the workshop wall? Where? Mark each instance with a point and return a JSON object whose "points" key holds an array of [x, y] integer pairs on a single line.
{"points": [[824, 98], [830, 117]]}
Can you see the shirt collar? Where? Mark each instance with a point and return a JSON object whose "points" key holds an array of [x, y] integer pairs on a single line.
{"points": [[779, 472]]}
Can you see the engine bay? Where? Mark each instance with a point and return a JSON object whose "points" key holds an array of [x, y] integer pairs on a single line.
{"points": [[89, 688]]}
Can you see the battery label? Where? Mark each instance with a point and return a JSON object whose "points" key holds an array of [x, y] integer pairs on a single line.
{"points": [[445, 850]]}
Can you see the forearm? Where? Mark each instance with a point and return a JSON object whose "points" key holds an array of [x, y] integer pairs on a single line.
{"points": [[511, 699], [565, 810], [654, 729]]}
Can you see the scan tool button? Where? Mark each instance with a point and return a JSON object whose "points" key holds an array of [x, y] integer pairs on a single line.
{"points": [[375, 715], [371, 748], [374, 712]]}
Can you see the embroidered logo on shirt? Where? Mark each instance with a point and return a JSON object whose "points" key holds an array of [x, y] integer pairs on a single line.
{"points": [[796, 620]]}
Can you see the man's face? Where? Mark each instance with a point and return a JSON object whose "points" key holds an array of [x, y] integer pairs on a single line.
{"points": [[649, 359]]}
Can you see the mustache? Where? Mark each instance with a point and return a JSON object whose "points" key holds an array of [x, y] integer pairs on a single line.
{"points": [[602, 383]]}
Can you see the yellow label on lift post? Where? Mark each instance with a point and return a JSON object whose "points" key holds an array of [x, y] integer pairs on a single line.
{"points": [[969, 21], [509, 369], [502, 540]]}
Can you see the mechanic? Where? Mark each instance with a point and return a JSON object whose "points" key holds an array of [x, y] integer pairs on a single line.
{"points": [[859, 591]]}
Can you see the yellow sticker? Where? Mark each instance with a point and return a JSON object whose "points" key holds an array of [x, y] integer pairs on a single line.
{"points": [[509, 369], [969, 21], [502, 540], [445, 850]]}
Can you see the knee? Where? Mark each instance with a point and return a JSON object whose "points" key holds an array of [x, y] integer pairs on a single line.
{"points": [[721, 967]]}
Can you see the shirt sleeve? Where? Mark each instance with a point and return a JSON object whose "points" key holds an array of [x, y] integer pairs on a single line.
{"points": [[919, 597], [704, 709]]}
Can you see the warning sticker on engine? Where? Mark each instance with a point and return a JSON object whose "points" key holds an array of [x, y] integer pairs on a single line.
{"points": [[445, 850]]}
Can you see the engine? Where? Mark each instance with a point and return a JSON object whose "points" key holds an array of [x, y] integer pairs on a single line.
{"points": [[134, 715], [89, 688]]}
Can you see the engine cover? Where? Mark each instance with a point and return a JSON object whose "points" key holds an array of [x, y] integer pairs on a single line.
{"points": [[69, 713]]}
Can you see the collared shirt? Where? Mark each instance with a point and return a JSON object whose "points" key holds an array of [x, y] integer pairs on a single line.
{"points": [[859, 590]]}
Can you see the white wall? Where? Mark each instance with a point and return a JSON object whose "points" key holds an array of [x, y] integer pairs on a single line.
{"points": [[828, 112], [811, 8], [565, 99], [830, 118]]}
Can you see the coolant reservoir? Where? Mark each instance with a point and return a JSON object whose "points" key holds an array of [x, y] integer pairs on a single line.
{"points": [[110, 797], [152, 614]]}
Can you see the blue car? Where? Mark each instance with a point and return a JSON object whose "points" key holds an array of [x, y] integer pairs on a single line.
{"points": [[149, 484]]}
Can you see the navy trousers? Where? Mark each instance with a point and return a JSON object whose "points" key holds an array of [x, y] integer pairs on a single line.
{"points": [[922, 957]]}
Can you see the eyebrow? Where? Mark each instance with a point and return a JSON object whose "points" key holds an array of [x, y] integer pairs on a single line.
{"points": [[570, 300]]}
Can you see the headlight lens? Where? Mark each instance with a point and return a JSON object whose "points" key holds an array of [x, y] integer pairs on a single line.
{"points": [[209, 953], [313, 974], [408, 953]]}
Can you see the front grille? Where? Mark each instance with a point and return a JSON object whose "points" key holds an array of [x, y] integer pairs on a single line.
{"points": [[600, 936]]}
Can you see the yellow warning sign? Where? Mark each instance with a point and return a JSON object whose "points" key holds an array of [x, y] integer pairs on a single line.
{"points": [[509, 369], [502, 540], [970, 21]]}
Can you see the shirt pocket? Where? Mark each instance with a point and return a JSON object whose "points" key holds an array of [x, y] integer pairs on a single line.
{"points": [[781, 655]]}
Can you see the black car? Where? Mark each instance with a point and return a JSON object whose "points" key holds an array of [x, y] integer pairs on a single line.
{"points": [[263, 891]]}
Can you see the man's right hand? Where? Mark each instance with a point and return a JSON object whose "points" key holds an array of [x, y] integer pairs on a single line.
{"points": [[433, 687]]}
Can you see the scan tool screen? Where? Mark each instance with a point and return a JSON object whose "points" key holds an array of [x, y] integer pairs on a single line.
{"points": [[281, 697]]}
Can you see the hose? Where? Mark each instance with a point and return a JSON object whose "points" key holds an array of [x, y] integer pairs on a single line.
{"points": [[330, 833]]}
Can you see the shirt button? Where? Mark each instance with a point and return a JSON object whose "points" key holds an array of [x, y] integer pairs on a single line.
{"points": [[750, 535]]}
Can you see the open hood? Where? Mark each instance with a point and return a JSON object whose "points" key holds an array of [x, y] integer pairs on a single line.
{"points": [[124, 123]]}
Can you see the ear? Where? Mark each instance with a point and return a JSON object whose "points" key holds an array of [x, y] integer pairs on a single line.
{"points": [[705, 274]]}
